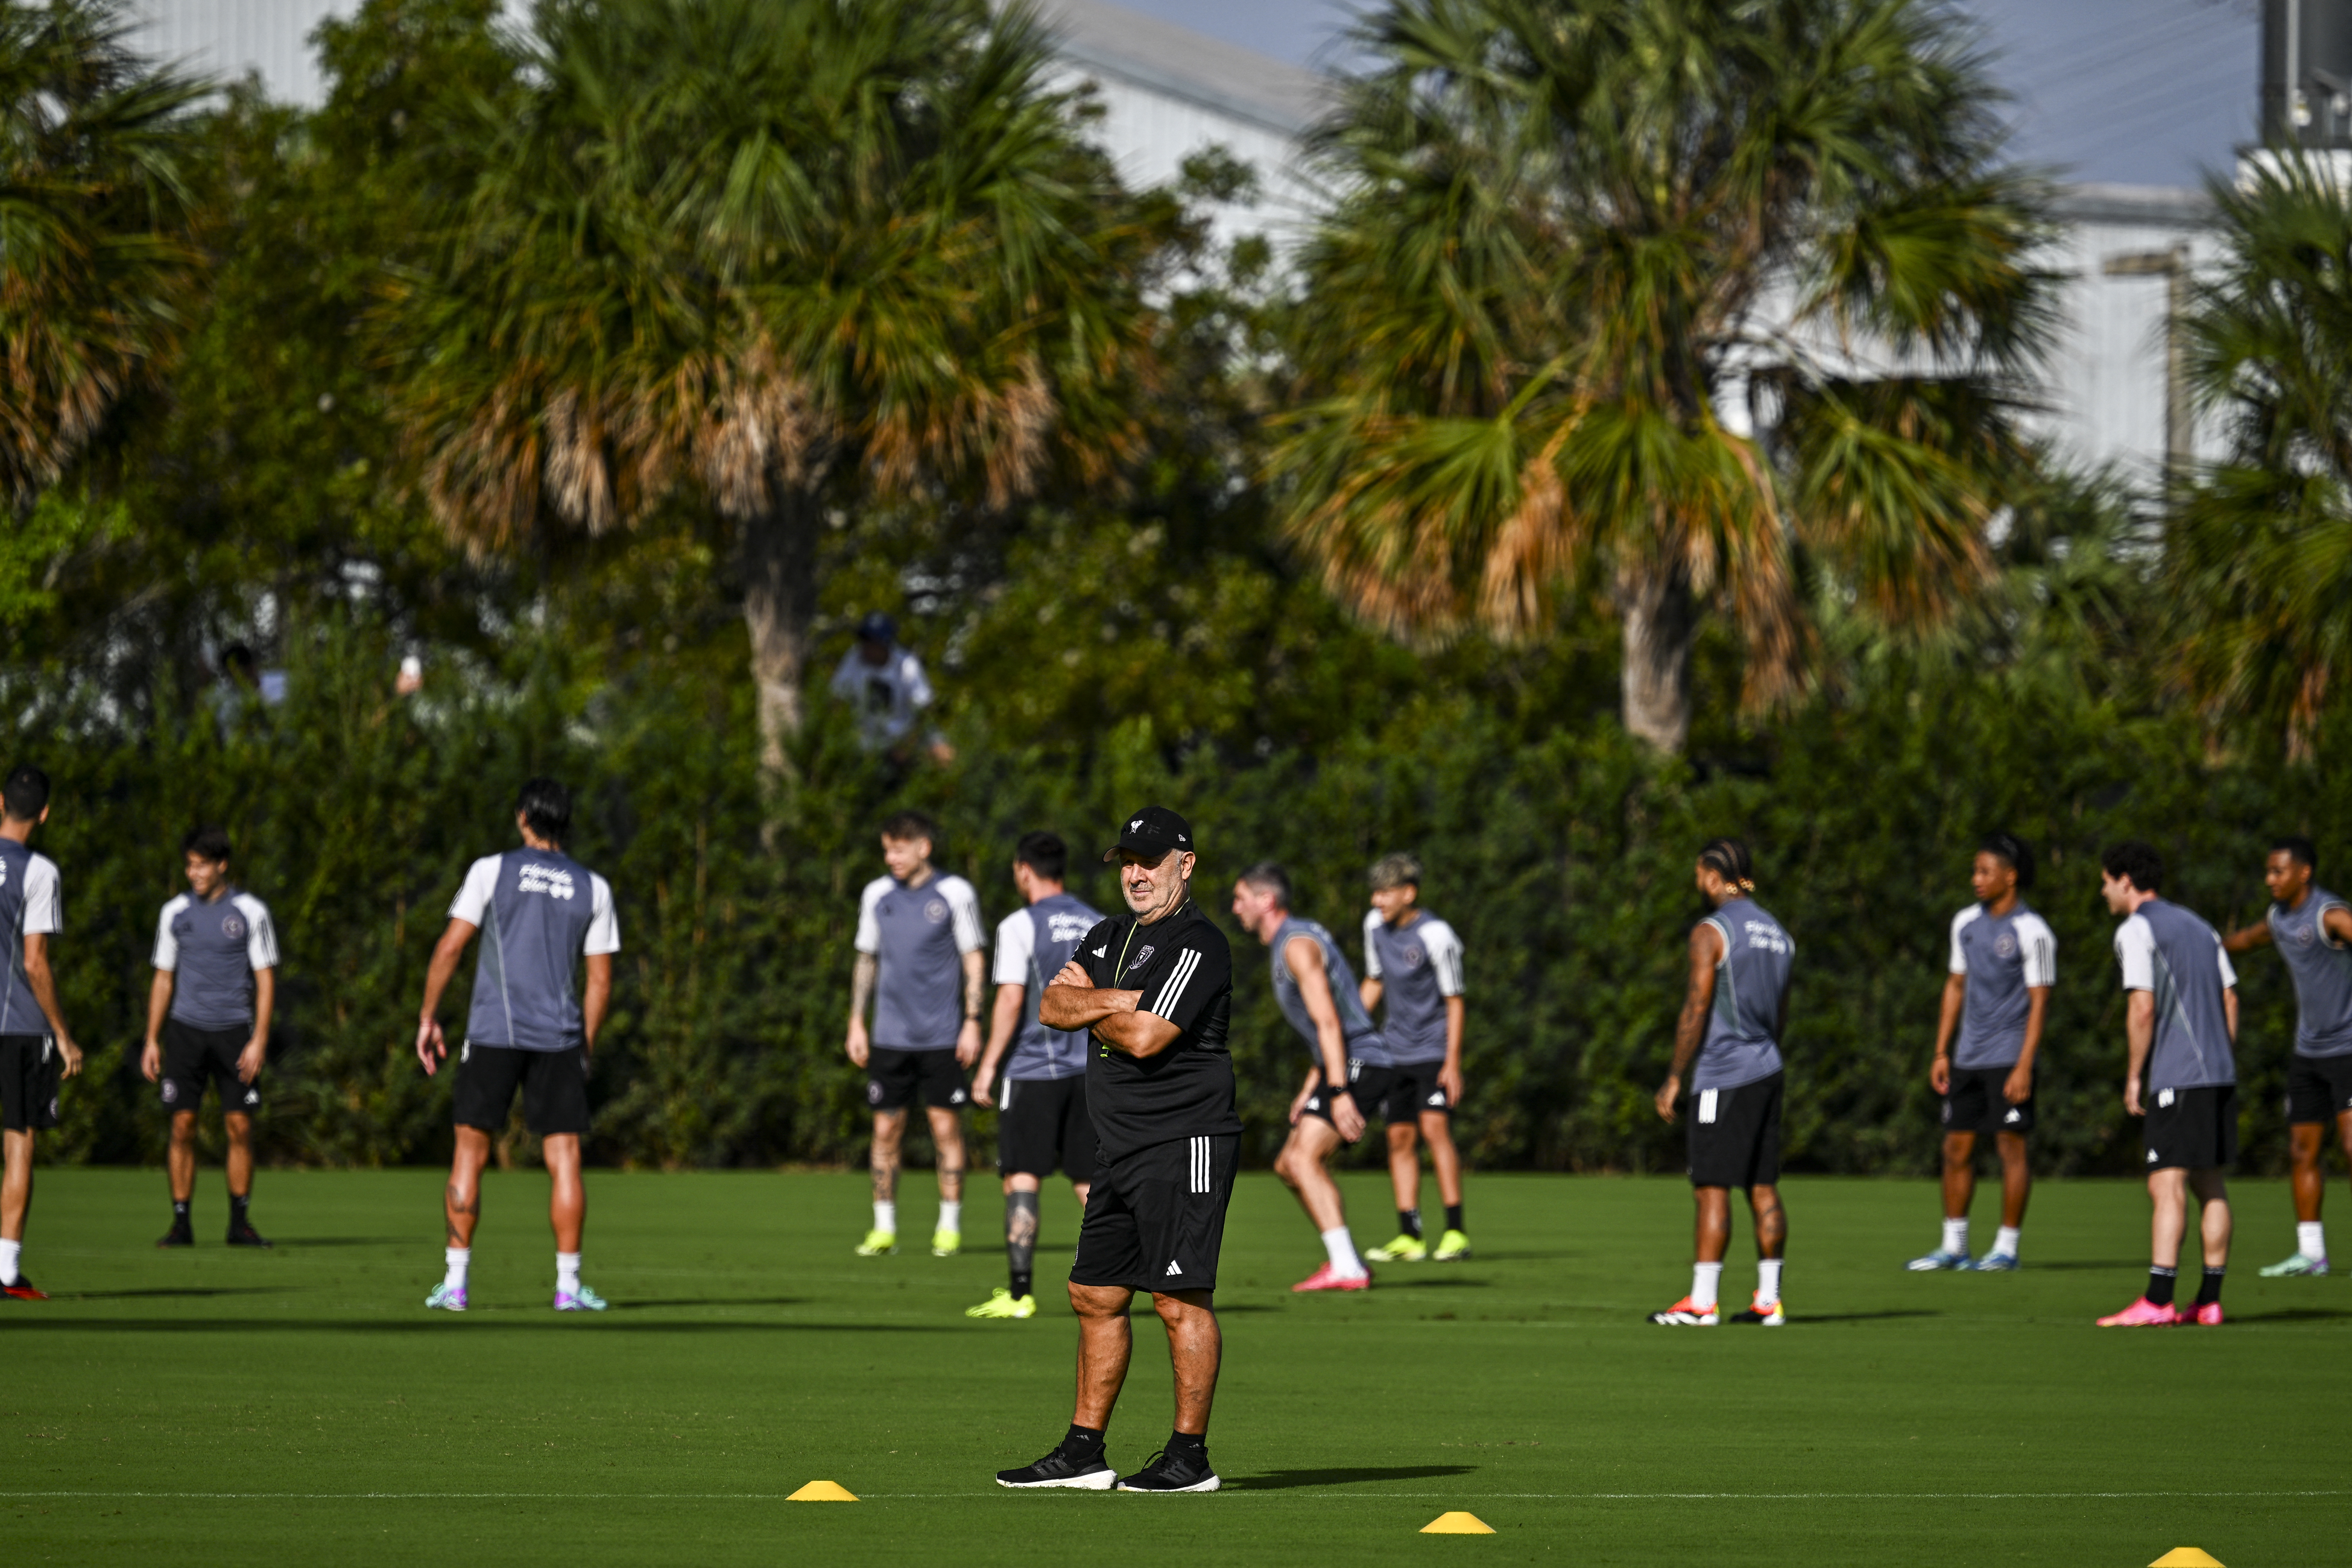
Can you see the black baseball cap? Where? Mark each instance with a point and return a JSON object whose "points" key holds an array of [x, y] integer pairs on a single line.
{"points": [[1153, 831], [878, 627]]}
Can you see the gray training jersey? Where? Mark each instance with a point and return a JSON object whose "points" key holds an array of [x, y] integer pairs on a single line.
{"points": [[2322, 969], [1032, 945], [1742, 1032], [2177, 957], [1365, 1044], [540, 911], [919, 936], [2004, 957], [212, 948], [1418, 965], [31, 904]]}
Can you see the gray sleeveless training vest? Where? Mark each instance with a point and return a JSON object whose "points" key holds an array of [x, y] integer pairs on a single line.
{"points": [[1741, 1033], [1365, 1042], [2322, 969]]}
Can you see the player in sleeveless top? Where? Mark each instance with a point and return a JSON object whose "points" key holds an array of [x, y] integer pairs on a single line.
{"points": [[1734, 1015], [1043, 1120], [2004, 962], [36, 1051], [1413, 961], [2312, 929], [1349, 1066], [919, 960], [208, 1020], [2181, 1073], [539, 914]]}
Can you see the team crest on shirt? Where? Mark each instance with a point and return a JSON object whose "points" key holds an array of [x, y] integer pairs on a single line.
{"points": [[2305, 935], [2005, 945], [936, 910], [1414, 958], [1144, 957], [232, 928]]}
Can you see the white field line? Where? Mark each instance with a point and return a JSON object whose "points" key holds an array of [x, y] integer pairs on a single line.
{"points": [[1320, 1494]]}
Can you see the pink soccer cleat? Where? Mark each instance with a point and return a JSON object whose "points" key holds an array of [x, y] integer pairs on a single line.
{"points": [[1330, 1279], [2208, 1316], [2143, 1314]]}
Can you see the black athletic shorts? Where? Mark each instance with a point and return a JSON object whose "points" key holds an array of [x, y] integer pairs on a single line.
{"points": [[895, 1078], [1156, 1220], [1042, 1123], [31, 1068], [1734, 1134], [1414, 1093], [192, 1056], [1975, 1103], [2192, 1128], [2318, 1088], [554, 1087], [1368, 1086]]}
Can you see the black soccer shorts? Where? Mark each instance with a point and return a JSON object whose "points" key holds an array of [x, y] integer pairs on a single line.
{"points": [[1155, 1219], [31, 1068], [1368, 1086], [1734, 1134], [894, 1079], [1414, 1093], [554, 1087], [1043, 1123], [2192, 1128], [2318, 1088], [194, 1057], [1975, 1104]]}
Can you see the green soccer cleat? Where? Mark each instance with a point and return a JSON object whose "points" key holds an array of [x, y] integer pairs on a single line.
{"points": [[1003, 1303], [879, 1244], [2297, 1267], [583, 1299], [1452, 1248], [946, 1243], [1406, 1248]]}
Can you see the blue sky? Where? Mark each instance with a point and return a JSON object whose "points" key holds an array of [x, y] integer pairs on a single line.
{"points": [[2139, 91]]}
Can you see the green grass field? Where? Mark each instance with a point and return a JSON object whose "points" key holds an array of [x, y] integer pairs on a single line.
{"points": [[300, 1406]]}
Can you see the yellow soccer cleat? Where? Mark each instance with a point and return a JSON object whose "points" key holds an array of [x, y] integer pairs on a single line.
{"points": [[1406, 1248], [946, 1243], [879, 1244], [1452, 1248], [1003, 1303]]}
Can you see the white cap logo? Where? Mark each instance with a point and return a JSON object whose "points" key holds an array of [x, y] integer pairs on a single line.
{"points": [[1136, 824]]}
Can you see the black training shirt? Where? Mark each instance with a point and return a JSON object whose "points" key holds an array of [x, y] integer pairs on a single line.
{"points": [[1184, 969]]}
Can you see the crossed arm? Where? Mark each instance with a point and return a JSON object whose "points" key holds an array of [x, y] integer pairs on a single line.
{"points": [[1072, 1001]]}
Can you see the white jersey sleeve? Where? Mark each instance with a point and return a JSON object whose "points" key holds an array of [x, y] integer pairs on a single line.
{"points": [[261, 935], [2135, 947], [869, 926], [963, 909], [1960, 923], [2038, 951], [1371, 947], [473, 899], [2229, 974], [167, 946], [603, 919], [45, 899], [1445, 949], [915, 686], [1016, 944]]}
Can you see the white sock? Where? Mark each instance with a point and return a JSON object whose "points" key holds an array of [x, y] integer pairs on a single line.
{"points": [[951, 1215], [1706, 1279], [567, 1272], [1342, 1247], [2004, 1241], [886, 1218], [2310, 1239], [457, 1259], [1955, 1238], [9, 1253], [1768, 1279]]}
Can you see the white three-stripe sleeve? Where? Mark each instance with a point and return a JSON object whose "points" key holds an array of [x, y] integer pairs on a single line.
{"points": [[1171, 990], [261, 934], [1445, 949], [167, 944], [963, 906], [1960, 923], [45, 900], [1016, 944], [1372, 923], [2037, 950]]}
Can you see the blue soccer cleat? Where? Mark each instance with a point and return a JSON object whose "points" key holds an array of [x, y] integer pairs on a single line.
{"points": [[1957, 1261]]}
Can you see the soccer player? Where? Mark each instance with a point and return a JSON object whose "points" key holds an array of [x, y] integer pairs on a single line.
{"points": [[2312, 929], [2180, 1022], [37, 1051], [1734, 1015], [1348, 1063], [918, 941], [1413, 960], [1043, 1119], [208, 1018], [2004, 962], [540, 912], [1155, 987]]}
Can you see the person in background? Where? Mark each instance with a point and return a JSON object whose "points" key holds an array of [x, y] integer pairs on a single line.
{"points": [[886, 685]]}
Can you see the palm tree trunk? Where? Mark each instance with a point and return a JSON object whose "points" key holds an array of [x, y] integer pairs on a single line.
{"points": [[1661, 624], [778, 554]]}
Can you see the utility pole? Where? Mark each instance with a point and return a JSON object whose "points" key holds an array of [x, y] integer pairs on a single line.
{"points": [[2172, 266]]}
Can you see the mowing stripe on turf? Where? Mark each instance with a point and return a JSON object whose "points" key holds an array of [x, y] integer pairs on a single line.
{"points": [[1331, 1494]]}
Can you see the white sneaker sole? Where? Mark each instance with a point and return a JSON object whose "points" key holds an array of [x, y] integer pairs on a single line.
{"points": [[1211, 1484], [1101, 1481]]}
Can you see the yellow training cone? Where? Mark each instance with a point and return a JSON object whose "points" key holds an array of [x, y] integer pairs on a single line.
{"points": [[823, 1491], [1457, 1524], [2187, 1557]]}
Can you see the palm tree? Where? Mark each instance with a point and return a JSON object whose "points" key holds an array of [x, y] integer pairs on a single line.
{"points": [[2258, 551], [94, 257], [777, 256], [1686, 300]]}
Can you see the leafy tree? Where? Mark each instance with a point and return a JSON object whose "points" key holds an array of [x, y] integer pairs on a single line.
{"points": [[1677, 298]]}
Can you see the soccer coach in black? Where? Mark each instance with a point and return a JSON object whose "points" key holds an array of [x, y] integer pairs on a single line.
{"points": [[1155, 988]]}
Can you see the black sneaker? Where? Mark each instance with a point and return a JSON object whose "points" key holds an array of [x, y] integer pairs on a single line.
{"points": [[182, 1234], [241, 1234], [1062, 1468], [1173, 1470], [24, 1289]]}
